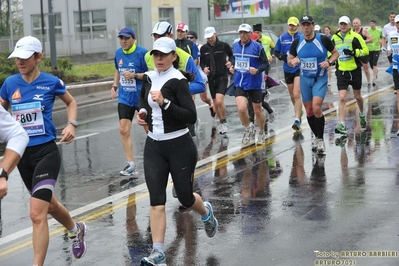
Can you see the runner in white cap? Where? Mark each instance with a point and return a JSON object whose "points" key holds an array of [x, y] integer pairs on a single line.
{"points": [[31, 95], [166, 106]]}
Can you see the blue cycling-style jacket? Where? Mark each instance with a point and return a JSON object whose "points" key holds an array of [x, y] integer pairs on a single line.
{"points": [[251, 54], [283, 46]]}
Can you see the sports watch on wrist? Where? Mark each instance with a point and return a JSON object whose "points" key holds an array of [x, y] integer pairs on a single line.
{"points": [[165, 103], [3, 173], [73, 123]]}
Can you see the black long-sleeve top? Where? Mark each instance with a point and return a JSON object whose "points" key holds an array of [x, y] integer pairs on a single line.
{"points": [[174, 87], [221, 51]]}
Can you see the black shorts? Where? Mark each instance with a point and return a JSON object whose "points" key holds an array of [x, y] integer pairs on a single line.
{"points": [[39, 168], [395, 75], [177, 156], [218, 85], [254, 95], [346, 78], [374, 56], [126, 111], [289, 77], [364, 59]]}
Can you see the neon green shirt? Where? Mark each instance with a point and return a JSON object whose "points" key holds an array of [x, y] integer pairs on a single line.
{"points": [[376, 35], [267, 44], [183, 58]]}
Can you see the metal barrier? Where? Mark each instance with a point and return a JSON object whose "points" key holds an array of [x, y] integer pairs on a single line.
{"points": [[89, 88]]}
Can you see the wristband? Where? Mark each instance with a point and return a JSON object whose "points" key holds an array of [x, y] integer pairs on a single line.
{"points": [[3, 173]]}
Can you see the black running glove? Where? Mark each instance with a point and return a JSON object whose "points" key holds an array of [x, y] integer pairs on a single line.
{"points": [[349, 52]]}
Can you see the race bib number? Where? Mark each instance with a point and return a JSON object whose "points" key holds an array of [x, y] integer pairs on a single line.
{"points": [[309, 66], [395, 50], [242, 64], [128, 85], [30, 116], [342, 56]]}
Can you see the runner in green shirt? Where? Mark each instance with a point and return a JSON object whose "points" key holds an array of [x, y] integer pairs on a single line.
{"points": [[374, 47]]}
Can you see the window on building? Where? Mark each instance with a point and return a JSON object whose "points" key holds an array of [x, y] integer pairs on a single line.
{"points": [[194, 15], [94, 25], [42, 33], [166, 14], [133, 21]]}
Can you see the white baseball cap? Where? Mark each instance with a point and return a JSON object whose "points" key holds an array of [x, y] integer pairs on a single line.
{"points": [[396, 18], [208, 33], [162, 28], [344, 19], [317, 27], [164, 45], [26, 47], [245, 27]]}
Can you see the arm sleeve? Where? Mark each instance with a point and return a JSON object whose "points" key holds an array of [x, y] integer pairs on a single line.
{"points": [[142, 101], [203, 58], [277, 50], [293, 47], [197, 85], [272, 44], [229, 53], [267, 52], [186, 110], [327, 43], [360, 47], [263, 61], [194, 51], [12, 132]]}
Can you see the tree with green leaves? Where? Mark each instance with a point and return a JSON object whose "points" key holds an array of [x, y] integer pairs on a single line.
{"points": [[16, 13], [327, 12]]}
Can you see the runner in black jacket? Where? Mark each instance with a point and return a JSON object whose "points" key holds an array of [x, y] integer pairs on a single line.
{"points": [[214, 56]]}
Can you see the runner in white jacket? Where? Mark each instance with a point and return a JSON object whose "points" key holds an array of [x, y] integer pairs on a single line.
{"points": [[13, 133]]}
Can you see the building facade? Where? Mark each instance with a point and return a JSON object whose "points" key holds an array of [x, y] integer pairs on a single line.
{"points": [[95, 28]]}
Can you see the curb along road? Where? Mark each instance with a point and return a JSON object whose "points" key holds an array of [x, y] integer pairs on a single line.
{"points": [[86, 93]]}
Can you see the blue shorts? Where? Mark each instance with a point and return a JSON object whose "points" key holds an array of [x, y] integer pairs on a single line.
{"points": [[311, 87]]}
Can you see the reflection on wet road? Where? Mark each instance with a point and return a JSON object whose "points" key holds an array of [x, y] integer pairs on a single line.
{"points": [[277, 204]]}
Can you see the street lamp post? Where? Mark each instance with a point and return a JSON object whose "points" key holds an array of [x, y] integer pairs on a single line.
{"points": [[53, 50], [242, 13], [42, 25], [80, 27], [11, 23]]}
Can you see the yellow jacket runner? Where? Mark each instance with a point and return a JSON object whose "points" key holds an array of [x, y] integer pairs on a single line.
{"points": [[267, 44], [354, 42]]}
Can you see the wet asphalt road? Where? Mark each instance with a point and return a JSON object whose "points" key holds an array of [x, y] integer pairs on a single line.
{"points": [[277, 204]]}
